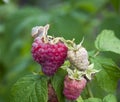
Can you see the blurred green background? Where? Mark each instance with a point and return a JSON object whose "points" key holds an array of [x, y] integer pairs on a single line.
{"points": [[67, 18]]}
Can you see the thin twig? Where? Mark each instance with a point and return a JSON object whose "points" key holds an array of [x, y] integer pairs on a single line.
{"points": [[89, 91], [96, 53]]}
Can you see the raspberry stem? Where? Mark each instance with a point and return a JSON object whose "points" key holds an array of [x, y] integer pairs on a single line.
{"points": [[89, 91], [96, 53]]}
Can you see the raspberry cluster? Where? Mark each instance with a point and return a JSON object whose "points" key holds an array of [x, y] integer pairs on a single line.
{"points": [[79, 72], [51, 53]]}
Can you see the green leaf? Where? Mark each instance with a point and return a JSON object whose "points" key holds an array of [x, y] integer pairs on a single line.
{"points": [[109, 75], [57, 82], [93, 100], [107, 41], [31, 88], [96, 90], [80, 99], [110, 98], [111, 22]]}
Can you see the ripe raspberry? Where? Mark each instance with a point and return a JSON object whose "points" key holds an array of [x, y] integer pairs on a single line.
{"points": [[79, 58], [73, 88], [52, 97], [50, 56]]}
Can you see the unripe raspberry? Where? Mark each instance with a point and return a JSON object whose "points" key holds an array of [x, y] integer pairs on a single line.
{"points": [[73, 87], [79, 58]]}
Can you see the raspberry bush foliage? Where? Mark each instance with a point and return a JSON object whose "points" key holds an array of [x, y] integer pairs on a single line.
{"points": [[68, 72]]}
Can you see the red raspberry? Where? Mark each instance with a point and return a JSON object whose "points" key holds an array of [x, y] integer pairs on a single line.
{"points": [[73, 88], [50, 56], [52, 97]]}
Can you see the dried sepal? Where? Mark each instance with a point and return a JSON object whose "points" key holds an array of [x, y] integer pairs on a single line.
{"points": [[75, 74], [40, 31], [90, 71]]}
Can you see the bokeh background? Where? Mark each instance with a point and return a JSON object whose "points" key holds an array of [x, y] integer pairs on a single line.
{"points": [[67, 18]]}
